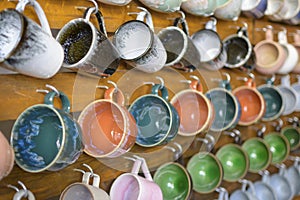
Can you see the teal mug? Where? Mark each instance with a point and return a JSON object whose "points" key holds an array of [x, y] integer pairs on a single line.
{"points": [[157, 120], [46, 138]]}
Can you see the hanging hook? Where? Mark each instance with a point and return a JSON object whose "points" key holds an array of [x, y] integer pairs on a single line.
{"points": [[185, 81], [228, 78], [242, 79], [53, 88], [195, 77], [89, 168], [162, 82], [42, 91], [102, 87], [96, 7], [79, 170], [113, 83]]}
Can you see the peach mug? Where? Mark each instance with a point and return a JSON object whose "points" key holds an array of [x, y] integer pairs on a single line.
{"points": [[109, 130], [297, 46], [7, 157]]}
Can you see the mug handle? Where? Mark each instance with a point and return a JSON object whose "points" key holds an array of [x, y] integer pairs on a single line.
{"points": [[250, 185], [225, 84], [145, 14], [136, 166], [87, 15], [49, 98], [115, 95], [196, 85], [39, 11], [164, 92], [183, 24], [145, 170]]}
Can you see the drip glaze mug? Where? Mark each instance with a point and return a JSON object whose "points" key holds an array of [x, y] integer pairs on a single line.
{"points": [[157, 120], [108, 129], [195, 111], [46, 138], [27, 47]]}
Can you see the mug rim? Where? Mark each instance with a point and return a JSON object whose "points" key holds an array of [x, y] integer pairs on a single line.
{"points": [[291, 90], [268, 149], [249, 52], [261, 99], [170, 114], [208, 105], [185, 43], [246, 160], [185, 172], [236, 103], [63, 141], [218, 162], [120, 109], [93, 43], [282, 99], [291, 53], [122, 26]]}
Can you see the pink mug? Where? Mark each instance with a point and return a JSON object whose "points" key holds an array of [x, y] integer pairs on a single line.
{"points": [[7, 158], [131, 186]]}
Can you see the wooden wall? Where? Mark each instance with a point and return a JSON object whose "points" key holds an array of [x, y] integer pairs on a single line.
{"points": [[17, 92]]}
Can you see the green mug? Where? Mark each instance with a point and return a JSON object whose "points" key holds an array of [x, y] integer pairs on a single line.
{"points": [[292, 134]]}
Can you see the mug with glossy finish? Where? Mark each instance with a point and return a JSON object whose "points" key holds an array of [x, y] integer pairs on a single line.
{"points": [[174, 181], [130, 186], [252, 103], [228, 9], [46, 138], [25, 44], [86, 48], [199, 7], [7, 158], [109, 130], [292, 176], [296, 87], [264, 191], [194, 109], [290, 97], [292, 134], [274, 101], [254, 8], [292, 13], [279, 147], [270, 55], [206, 172], [244, 193], [157, 120], [275, 10], [234, 160]]}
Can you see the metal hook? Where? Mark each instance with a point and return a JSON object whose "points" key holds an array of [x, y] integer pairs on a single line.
{"points": [[113, 83], [195, 77], [42, 91], [102, 87], [53, 88], [185, 81], [251, 75], [149, 83], [13, 187], [283, 29], [89, 168], [214, 20], [17, 189], [129, 158], [162, 82], [278, 125], [96, 7], [228, 78], [181, 13], [242, 79]]}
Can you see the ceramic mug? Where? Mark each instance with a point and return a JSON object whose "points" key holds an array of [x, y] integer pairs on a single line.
{"points": [[25, 44], [274, 100], [132, 186], [228, 9], [234, 160], [8, 157], [174, 181], [115, 2], [264, 191], [227, 110], [83, 190], [292, 134], [296, 87], [194, 109], [291, 52], [292, 14], [259, 154], [244, 193], [292, 176], [252, 103], [210, 46], [181, 51], [199, 7], [157, 120], [46, 138], [270, 55], [108, 129], [238, 48], [86, 48], [278, 145], [165, 6], [155, 57], [254, 8], [276, 9], [289, 95], [297, 46], [206, 172]]}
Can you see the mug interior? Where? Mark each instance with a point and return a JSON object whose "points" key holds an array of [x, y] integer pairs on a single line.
{"points": [[226, 109], [154, 119], [103, 127], [38, 137], [292, 134], [279, 147], [133, 39], [251, 104], [238, 50], [174, 181], [206, 172], [76, 38], [193, 110], [274, 102], [290, 99], [208, 44], [266, 54], [125, 187], [77, 192], [234, 161]]}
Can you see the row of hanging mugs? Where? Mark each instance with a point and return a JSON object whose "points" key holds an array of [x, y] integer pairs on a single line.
{"points": [[47, 138], [80, 46], [205, 171]]}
